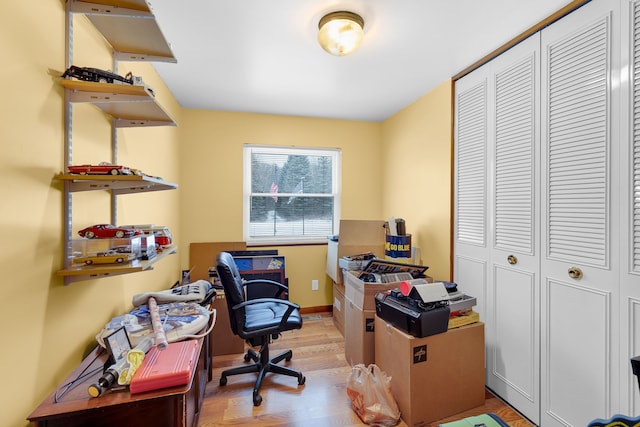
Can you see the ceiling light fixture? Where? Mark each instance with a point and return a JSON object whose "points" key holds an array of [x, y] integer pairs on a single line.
{"points": [[340, 32]]}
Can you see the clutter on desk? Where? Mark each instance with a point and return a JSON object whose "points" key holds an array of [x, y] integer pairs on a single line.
{"points": [[158, 319], [199, 291], [169, 368]]}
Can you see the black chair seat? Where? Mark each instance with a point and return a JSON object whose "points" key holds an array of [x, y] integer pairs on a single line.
{"points": [[268, 315], [257, 321]]}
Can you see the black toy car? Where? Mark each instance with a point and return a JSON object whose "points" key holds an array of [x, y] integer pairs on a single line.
{"points": [[96, 75]]}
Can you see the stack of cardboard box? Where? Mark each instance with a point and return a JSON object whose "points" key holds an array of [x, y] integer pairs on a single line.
{"points": [[356, 237]]}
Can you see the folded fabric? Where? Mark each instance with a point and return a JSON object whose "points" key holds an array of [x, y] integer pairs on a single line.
{"points": [[484, 420], [617, 420], [193, 292]]}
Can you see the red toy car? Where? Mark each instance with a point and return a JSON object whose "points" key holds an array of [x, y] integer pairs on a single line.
{"points": [[108, 230], [103, 168]]}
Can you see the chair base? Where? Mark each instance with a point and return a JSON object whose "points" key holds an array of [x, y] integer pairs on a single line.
{"points": [[263, 364]]}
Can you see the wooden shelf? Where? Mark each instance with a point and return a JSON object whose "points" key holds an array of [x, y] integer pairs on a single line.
{"points": [[130, 106], [129, 26], [84, 272], [118, 184]]}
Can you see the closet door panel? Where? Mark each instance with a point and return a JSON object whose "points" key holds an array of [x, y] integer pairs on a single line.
{"points": [[579, 263], [578, 337], [513, 336], [630, 211], [471, 193], [471, 162]]}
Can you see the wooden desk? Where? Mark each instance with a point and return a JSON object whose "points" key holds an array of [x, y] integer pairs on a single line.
{"points": [[175, 406]]}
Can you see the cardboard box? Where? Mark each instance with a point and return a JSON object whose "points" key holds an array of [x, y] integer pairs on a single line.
{"points": [[223, 341], [360, 310], [202, 256], [362, 294], [356, 237], [432, 377], [338, 307], [359, 334]]}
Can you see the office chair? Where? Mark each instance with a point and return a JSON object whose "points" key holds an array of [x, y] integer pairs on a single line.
{"points": [[257, 321]]}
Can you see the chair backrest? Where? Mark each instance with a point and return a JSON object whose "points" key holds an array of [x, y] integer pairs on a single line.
{"points": [[233, 289]]}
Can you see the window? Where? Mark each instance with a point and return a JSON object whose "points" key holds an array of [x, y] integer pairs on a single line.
{"points": [[291, 195]]}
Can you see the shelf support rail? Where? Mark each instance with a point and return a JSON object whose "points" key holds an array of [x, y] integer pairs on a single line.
{"points": [[68, 123]]}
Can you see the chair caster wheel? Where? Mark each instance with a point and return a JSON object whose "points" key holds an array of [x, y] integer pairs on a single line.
{"points": [[301, 379], [247, 357], [257, 399], [223, 380], [288, 358]]}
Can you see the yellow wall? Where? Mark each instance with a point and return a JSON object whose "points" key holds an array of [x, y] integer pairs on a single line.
{"points": [[48, 327], [211, 181], [417, 158]]}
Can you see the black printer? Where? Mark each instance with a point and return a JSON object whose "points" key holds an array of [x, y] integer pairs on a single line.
{"points": [[412, 314]]}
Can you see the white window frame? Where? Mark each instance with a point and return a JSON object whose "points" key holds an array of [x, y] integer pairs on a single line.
{"points": [[248, 149]]}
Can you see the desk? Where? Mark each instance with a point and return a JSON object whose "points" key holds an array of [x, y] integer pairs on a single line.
{"points": [[174, 406]]}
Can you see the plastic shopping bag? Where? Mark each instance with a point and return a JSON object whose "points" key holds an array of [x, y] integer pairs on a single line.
{"points": [[369, 390]]}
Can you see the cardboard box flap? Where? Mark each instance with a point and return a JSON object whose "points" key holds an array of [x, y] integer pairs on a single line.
{"points": [[361, 233], [356, 237]]}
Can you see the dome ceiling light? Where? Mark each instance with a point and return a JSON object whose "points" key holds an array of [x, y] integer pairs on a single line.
{"points": [[340, 32]]}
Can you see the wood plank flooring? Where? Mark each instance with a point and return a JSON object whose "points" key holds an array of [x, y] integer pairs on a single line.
{"points": [[318, 351]]}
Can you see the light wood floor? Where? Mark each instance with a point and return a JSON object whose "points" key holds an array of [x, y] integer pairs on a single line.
{"points": [[318, 351]]}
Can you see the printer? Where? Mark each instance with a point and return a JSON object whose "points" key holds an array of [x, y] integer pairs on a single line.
{"points": [[421, 310]]}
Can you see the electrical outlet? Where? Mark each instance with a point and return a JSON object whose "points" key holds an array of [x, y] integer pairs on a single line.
{"points": [[314, 285]]}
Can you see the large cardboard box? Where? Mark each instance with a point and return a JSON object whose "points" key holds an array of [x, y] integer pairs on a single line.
{"points": [[360, 310], [355, 237], [222, 340], [202, 256], [359, 334], [362, 294], [432, 377]]}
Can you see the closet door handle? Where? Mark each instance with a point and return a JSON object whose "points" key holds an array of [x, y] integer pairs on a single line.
{"points": [[575, 273], [512, 259]]}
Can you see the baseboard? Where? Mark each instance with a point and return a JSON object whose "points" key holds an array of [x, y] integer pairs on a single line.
{"points": [[318, 309]]}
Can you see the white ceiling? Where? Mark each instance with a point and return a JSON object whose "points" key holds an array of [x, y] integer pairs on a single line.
{"points": [[262, 56]]}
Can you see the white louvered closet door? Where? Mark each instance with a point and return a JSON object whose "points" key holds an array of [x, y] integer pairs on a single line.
{"points": [[630, 214], [470, 201], [580, 216], [513, 334]]}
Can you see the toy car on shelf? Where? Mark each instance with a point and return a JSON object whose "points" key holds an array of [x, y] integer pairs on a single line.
{"points": [[138, 172], [161, 233], [106, 257], [97, 75], [102, 168], [107, 230]]}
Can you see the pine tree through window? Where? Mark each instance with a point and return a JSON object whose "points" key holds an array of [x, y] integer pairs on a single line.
{"points": [[291, 195]]}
